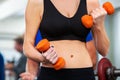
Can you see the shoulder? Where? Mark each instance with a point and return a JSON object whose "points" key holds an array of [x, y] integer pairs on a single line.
{"points": [[35, 4], [92, 4]]}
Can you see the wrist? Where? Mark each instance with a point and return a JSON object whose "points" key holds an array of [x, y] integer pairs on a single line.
{"points": [[44, 60], [98, 27]]}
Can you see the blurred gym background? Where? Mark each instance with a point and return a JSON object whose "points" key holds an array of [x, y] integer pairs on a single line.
{"points": [[12, 25]]}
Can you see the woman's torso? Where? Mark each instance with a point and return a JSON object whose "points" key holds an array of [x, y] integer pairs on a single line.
{"points": [[74, 52], [71, 48]]}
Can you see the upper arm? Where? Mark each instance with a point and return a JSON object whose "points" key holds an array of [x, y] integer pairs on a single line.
{"points": [[33, 18], [92, 4]]}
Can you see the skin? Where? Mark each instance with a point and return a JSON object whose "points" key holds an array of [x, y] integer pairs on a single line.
{"points": [[63, 48], [92, 52]]}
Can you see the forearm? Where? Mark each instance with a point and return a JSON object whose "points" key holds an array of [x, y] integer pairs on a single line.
{"points": [[32, 67], [32, 53], [101, 39]]}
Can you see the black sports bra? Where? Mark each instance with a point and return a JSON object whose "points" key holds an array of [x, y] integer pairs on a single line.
{"points": [[55, 26]]}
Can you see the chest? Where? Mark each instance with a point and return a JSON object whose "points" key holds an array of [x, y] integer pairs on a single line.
{"points": [[66, 7], [54, 23]]}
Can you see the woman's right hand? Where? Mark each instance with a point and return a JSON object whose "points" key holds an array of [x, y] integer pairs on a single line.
{"points": [[98, 15], [50, 55]]}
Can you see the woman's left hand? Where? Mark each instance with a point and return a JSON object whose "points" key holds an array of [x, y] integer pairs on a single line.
{"points": [[98, 15]]}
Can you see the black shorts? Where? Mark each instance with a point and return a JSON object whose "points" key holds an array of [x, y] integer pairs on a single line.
{"points": [[66, 74]]}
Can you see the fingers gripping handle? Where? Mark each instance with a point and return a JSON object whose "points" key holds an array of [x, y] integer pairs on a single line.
{"points": [[44, 45], [87, 20]]}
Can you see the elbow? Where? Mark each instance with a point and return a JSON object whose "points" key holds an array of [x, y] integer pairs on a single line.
{"points": [[26, 50], [103, 52]]}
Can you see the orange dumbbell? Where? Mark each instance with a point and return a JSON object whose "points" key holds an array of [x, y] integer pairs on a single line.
{"points": [[87, 20], [44, 45]]}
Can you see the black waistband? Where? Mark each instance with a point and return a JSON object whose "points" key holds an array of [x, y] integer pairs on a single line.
{"points": [[66, 74]]}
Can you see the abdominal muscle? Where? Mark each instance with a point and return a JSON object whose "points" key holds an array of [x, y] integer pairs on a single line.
{"points": [[74, 53]]}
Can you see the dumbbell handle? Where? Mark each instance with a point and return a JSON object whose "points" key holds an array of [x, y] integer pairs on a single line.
{"points": [[113, 71], [117, 72], [87, 20], [44, 45]]}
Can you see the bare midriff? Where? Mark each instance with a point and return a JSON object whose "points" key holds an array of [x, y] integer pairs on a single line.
{"points": [[74, 53]]}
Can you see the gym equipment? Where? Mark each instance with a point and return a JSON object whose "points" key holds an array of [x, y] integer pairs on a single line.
{"points": [[87, 20], [106, 71], [42, 45]]}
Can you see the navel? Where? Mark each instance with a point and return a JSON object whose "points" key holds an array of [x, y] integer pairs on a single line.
{"points": [[71, 55]]}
